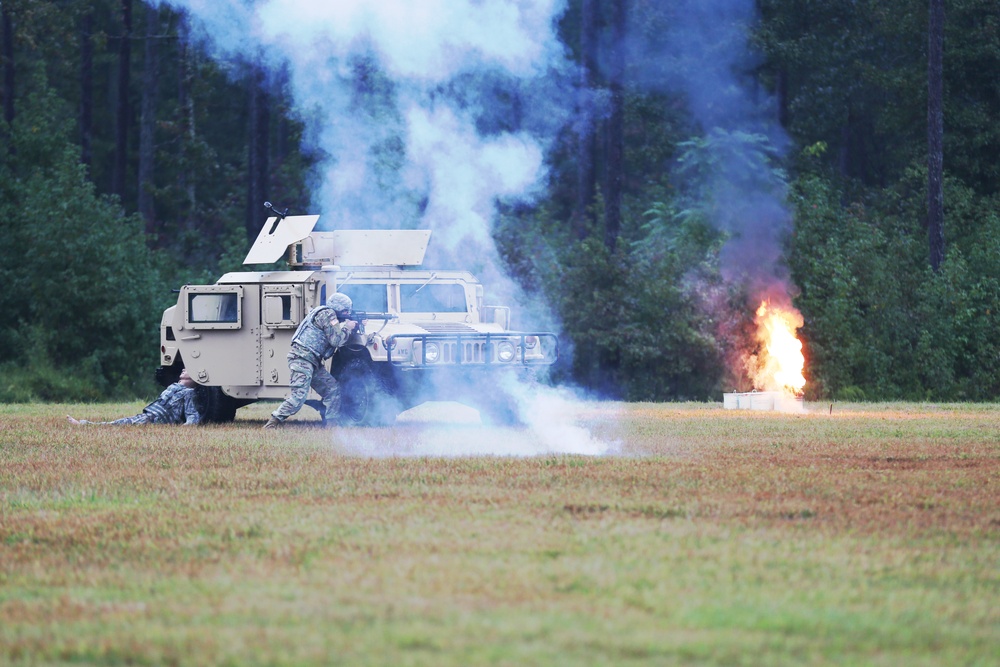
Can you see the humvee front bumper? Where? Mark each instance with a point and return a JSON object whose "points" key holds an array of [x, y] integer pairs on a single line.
{"points": [[410, 351]]}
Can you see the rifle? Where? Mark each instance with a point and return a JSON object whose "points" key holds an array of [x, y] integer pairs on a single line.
{"points": [[360, 316]]}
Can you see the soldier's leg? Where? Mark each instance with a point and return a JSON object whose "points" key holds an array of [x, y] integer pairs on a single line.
{"points": [[301, 378], [141, 418], [329, 390]]}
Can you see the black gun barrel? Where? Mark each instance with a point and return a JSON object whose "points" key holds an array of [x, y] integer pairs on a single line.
{"points": [[360, 315]]}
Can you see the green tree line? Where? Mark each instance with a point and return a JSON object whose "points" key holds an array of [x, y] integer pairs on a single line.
{"points": [[132, 162]]}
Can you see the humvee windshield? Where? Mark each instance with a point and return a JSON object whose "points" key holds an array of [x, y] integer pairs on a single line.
{"points": [[367, 298], [431, 298]]}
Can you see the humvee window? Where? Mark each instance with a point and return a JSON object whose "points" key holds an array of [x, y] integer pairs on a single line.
{"points": [[277, 309], [368, 298], [281, 305], [431, 298], [211, 308]]}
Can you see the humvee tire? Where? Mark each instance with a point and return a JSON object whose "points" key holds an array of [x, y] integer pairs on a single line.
{"points": [[364, 399], [214, 406]]}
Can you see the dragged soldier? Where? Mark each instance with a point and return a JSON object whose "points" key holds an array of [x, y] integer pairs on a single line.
{"points": [[324, 330], [175, 405]]}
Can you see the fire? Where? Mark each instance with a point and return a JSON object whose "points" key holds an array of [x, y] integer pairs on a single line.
{"points": [[779, 365]]}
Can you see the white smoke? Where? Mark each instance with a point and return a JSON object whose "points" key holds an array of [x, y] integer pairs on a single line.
{"points": [[465, 173], [404, 101], [430, 40], [414, 52], [552, 416], [552, 419]]}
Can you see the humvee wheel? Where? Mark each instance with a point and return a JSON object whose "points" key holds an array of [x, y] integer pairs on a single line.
{"points": [[214, 406], [364, 400]]}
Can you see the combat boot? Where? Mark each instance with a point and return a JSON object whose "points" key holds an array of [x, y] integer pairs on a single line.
{"points": [[273, 422]]}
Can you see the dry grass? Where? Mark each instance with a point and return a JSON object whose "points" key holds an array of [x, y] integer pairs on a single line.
{"points": [[869, 535]]}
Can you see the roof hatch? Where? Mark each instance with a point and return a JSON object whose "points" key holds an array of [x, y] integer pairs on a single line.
{"points": [[276, 235]]}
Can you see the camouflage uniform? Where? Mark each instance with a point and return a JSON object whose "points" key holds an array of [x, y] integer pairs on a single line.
{"points": [[316, 339], [174, 406]]}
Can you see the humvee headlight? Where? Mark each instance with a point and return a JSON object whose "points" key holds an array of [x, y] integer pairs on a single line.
{"points": [[506, 351], [390, 344], [432, 353], [530, 342]]}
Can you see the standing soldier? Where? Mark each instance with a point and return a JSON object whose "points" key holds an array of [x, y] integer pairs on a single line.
{"points": [[324, 330]]}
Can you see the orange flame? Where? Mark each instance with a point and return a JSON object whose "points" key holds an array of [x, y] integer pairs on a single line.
{"points": [[780, 363]]}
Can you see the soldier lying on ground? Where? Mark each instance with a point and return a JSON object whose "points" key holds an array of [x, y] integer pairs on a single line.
{"points": [[174, 406]]}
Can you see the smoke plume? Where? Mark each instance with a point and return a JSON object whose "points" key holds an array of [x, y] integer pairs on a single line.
{"points": [[711, 65], [427, 114], [392, 94], [703, 56], [424, 115]]}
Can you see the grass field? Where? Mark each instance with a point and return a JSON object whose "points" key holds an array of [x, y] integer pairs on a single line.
{"points": [[681, 534]]}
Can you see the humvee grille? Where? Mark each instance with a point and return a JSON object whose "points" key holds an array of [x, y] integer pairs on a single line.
{"points": [[461, 348], [446, 327]]}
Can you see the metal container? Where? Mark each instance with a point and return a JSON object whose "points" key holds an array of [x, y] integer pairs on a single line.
{"points": [[762, 400]]}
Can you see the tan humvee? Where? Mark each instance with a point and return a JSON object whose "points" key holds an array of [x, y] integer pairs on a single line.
{"points": [[423, 334]]}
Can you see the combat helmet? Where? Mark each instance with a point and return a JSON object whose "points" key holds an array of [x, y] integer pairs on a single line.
{"points": [[339, 302]]}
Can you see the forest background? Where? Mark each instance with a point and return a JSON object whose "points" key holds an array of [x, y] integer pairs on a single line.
{"points": [[132, 162]]}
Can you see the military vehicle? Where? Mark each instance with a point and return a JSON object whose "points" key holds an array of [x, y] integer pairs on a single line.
{"points": [[424, 335]]}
